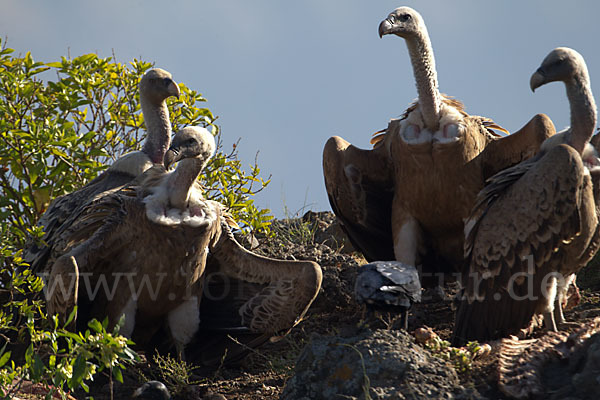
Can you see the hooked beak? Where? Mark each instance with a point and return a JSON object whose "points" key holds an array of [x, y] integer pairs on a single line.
{"points": [[385, 27], [171, 157], [537, 79], [174, 89]]}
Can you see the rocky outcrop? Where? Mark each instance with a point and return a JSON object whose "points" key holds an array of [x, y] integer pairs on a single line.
{"points": [[377, 364]]}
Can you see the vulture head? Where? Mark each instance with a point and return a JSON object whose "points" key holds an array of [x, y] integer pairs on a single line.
{"points": [[568, 66], [562, 64], [191, 142], [178, 193], [157, 85], [404, 22]]}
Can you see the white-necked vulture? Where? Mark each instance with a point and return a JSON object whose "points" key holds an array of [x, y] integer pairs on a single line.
{"points": [[535, 224], [406, 198]]}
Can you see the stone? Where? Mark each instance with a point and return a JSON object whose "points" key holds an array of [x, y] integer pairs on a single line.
{"points": [[379, 364]]}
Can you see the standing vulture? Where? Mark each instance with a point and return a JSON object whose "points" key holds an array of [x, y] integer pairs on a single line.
{"points": [[155, 87], [140, 251], [408, 196], [536, 224]]}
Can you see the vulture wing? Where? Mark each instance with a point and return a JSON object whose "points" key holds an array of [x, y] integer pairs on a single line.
{"points": [[521, 145], [360, 188], [248, 299]]}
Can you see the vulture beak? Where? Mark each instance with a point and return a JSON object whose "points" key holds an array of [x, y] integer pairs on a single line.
{"points": [[385, 27], [172, 156], [173, 89], [537, 79]]}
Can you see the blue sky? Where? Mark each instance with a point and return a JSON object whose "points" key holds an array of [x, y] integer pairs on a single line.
{"points": [[285, 76]]}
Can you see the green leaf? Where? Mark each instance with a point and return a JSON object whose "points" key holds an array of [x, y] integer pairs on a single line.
{"points": [[79, 372], [95, 325], [72, 316], [117, 374], [37, 368], [4, 358], [59, 153]]}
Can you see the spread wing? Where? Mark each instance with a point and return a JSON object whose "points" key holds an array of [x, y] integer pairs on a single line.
{"points": [[360, 189], [521, 145], [248, 299], [524, 224]]}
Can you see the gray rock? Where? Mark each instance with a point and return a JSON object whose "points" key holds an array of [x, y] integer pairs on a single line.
{"points": [[381, 364]]}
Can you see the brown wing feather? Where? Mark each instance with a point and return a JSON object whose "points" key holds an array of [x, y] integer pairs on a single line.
{"points": [[521, 145], [537, 216], [359, 186], [248, 299]]}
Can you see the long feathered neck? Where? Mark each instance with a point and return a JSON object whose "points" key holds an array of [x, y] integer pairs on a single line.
{"points": [[181, 181], [423, 62], [158, 126], [583, 110]]}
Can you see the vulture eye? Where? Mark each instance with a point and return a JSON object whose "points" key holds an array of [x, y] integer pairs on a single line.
{"points": [[405, 17]]}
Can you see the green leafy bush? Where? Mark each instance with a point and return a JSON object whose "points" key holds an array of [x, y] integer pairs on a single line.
{"points": [[59, 359]]}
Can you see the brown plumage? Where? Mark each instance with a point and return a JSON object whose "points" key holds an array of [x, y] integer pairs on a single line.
{"points": [[140, 234], [155, 87], [249, 299], [425, 171], [141, 250], [535, 224]]}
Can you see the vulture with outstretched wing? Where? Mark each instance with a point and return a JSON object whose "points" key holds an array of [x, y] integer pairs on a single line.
{"points": [[406, 198], [536, 224], [140, 251], [155, 87]]}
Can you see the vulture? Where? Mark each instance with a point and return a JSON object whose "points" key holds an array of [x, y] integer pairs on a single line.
{"points": [[140, 251], [160, 254], [388, 286], [407, 197], [535, 224], [155, 87]]}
